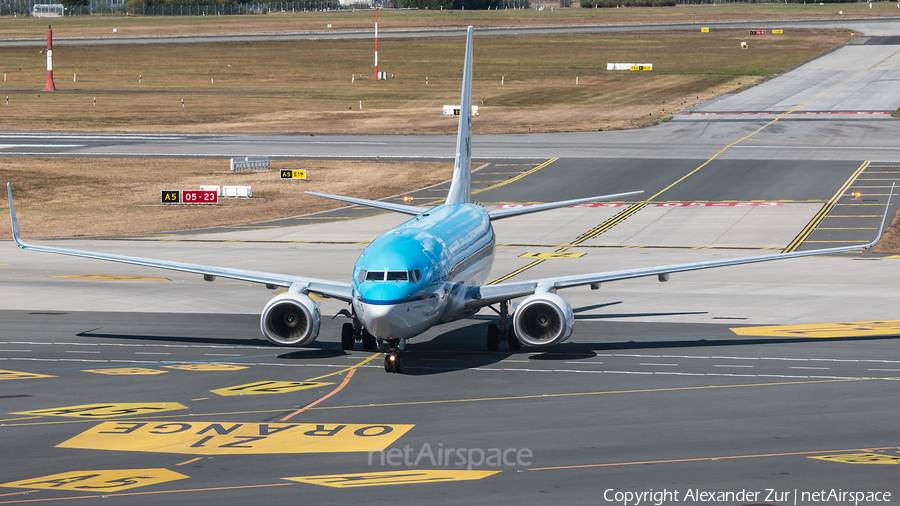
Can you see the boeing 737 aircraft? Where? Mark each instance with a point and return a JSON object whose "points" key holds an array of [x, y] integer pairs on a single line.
{"points": [[427, 271]]}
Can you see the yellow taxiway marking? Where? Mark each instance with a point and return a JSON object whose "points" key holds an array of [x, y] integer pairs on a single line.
{"points": [[514, 179], [551, 256], [375, 479], [843, 329], [862, 458], [342, 371], [695, 459], [268, 387], [230, 438], [15, 375], [111, 480], [106, 410], [127, 371], [206, 367], [104, 277]]}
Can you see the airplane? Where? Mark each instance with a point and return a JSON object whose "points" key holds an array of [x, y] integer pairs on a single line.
{"points": [[428, 271]]}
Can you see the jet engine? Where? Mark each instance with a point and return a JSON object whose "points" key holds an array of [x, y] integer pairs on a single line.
{"points": [[543, 319], [290, 319]]}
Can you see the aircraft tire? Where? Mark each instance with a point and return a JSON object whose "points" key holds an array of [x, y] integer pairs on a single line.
{"points": [[368, 341], [513, 341], [347, 337], [493, 337]]}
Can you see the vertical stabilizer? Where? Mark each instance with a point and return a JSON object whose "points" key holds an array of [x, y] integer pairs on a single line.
{"points": [[460, 187]]}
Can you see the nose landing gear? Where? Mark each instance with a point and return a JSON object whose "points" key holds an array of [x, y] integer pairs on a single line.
{"points": [[393, 359]]}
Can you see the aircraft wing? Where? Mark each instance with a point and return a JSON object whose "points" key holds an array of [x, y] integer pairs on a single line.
{"points": [[332, 289], [387, 206], [497, 214], [491, 294]]}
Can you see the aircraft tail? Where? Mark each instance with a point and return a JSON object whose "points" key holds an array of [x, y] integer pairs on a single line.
{"points": [[460, 186]]}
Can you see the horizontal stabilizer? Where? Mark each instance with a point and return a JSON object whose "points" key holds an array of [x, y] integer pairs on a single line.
{"points": [[378, 204], [497, 214]]}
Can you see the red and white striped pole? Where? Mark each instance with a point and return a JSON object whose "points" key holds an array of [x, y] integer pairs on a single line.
{"points": [[50, 86], [376, 43]]}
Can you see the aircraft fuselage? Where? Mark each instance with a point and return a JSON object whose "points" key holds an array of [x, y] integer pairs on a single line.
{"points": [[414, 276]]}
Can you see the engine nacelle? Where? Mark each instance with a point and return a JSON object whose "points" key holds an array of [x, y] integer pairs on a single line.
{"points": [[543, 319], [290, 319]]}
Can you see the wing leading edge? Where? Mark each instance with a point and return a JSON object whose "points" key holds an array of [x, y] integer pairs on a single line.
{"points": [[332, 289], [492, 294]]}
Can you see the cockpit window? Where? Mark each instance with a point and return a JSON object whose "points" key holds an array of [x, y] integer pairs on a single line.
{"points": [[396, 276], [415, 275], [375, 276]]}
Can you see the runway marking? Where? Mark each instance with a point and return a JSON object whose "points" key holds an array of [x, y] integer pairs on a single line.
{"points": [[268, 387], [111, 480], [697, 459], [375, 479], [827, 208], [231, 438], [129, 494], [101, 410], [14, 375], [824, 330], [861, 458], [127, 371]]}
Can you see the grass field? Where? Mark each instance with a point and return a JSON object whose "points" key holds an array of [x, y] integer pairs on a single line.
{"points": [[64, 197], [98, 26], [526, 83]]}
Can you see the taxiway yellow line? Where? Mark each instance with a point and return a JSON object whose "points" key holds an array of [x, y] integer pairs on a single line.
{"points": [[344, 370], [700, 459], [321, 399]]}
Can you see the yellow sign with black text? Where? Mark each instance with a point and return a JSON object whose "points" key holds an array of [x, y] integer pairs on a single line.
{"points": [[293, 174], [16, 375], [231, 438], [842, 329], [268, 387], [862, 458], [112, 480], [106, 410], [375, 479], [777, 31]]}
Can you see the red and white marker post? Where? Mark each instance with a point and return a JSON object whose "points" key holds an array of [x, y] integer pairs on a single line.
{"points": [[376, 43], [50, 86]]}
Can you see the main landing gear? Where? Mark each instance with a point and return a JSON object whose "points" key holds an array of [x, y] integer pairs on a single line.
{"points": [[393, 359], [353, 332], [502, 331]]}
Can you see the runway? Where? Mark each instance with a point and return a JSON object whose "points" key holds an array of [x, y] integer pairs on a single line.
{"points": [[762, 384]]}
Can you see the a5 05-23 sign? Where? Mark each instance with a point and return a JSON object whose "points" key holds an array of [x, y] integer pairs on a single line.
{"points": [[189, 197]]}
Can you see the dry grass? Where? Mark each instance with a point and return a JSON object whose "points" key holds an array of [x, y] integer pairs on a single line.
{"points": [[62, 197], [305, 86], [102, 26]]}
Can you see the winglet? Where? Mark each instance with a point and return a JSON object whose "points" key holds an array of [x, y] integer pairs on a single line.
{"points": [[461, 186], [12, 217]]}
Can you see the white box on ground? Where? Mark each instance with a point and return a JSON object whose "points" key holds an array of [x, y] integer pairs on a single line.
{"points": [[212, 188], [250, 163], [237, 191]]}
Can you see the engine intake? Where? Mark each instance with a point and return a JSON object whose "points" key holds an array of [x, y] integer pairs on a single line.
{"points": [[290, 319], [543, 319]]}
